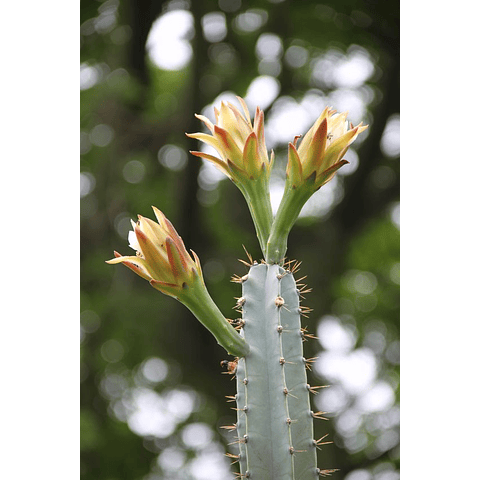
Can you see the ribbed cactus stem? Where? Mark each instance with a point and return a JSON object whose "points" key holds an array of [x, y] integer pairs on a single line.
{"points": [[274, 421]]}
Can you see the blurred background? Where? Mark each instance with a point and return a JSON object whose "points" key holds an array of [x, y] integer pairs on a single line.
{"points": [[152, 391]]}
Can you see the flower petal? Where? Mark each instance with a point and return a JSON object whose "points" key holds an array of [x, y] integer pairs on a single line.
{"points": [[161, 218], [209, 140], [138, 265], [157, 263], [228, 145], [220, 164], [166, 288], [338, 125], [132, 240], [236, 172], [314, 156], [245, 110], [206, 121], [339, 147], [259, 128], [329, 173], [241, 124], [177, 240], [306, 140], [178, 264], [198, 270], [227, 121], [272, 159], [294, 166], [251, 158]]}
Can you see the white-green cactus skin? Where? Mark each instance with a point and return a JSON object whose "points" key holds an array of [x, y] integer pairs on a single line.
{"points": [[274, 418]]}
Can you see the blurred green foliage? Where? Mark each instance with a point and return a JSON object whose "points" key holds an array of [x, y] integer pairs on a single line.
{"points": [[131, 109]]}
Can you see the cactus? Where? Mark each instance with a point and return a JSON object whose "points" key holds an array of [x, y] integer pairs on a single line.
{"points": [[274, 426], [275, 422]]}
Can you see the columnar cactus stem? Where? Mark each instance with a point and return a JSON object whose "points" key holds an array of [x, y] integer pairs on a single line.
{"points": [[275, 423]]}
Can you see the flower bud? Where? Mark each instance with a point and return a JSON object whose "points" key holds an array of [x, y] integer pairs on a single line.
{"points": [[240, 145], [311, 165], [321, 151], [163, 260], [161, 256]]}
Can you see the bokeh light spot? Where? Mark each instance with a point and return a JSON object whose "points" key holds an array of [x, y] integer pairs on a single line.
{"points": [[392, 354], [321, 202], [172, 157], [366, 303], [89, 76], [90, 321], [390, 142], [364, 282], [197, 435], [155, 369], [250, 20], [395, 214], [87, 183], [112, 351], [333, 336], [262, 91], [230, 5], [150, 416], [123, 224], [171, 459], [180, 403], [101, 135], [209, 175], [359, 474], [379, 397], [134, 171], [214, 26], [333, 399], [296, 56], [167, 44], [354, 370], [395, 273], [85, 144], [113, 386], [269, 46]]}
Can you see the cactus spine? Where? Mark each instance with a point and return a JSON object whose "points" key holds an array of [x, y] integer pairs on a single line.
{"points": [[274, 419]]}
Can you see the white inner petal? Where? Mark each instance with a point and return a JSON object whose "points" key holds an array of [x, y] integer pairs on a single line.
{"points": [[132, 241]]}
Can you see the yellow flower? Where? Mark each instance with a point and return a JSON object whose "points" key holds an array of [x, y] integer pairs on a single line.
{"points": [[161, 256], [321, 151], [240, 145]]}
